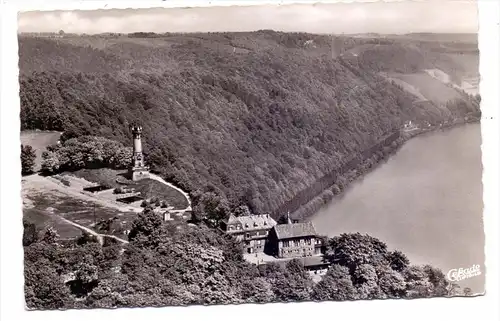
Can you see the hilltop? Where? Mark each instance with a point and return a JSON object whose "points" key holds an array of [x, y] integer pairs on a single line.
{"points": [[256, 116]]}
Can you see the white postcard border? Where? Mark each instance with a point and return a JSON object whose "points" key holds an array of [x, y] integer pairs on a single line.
{"points": [[12, 294]]}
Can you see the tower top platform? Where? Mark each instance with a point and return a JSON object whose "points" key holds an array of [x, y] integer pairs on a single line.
{"points": [[136, 129]]}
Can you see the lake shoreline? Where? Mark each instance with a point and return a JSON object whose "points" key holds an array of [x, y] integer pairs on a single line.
{"points": [[426, 202], [323, 199]]}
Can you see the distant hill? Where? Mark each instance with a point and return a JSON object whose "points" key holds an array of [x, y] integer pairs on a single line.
{"points": [[256, 116]]}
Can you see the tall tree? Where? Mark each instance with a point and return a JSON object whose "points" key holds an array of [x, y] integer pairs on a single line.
{"points": [[146, 225], [335, 285], [210, 207], [398, 260], [28, 157], [355, 249], [44, 287], [242, 210], [30, 233]]}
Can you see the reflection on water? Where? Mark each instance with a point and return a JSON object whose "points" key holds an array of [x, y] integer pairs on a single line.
{"points": [[425, 201]]}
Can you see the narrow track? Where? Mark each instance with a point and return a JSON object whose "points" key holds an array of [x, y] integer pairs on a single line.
{"points": [[100, 237]]}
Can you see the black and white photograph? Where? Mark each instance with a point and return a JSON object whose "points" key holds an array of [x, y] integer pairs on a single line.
{"points": [[250, 154]]}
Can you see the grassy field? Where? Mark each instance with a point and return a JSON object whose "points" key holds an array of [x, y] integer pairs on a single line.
{"points": [[39, 140], [105, 176], [47, 202], [409, 88], [430, 88], [48, 208], [44, 219], [148, 187]]}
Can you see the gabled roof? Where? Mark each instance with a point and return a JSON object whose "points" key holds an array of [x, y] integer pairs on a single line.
{"points": [[251, 222], [231, 219], [286, 231]]}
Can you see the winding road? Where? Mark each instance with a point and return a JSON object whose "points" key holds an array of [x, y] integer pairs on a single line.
{"points": [[186, 195]]}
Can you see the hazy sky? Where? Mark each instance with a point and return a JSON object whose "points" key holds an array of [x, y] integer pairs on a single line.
{"points": [[380, 17]]}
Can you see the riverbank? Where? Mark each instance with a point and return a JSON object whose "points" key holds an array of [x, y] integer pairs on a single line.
{"points": [[425, 201], [368, 164]]}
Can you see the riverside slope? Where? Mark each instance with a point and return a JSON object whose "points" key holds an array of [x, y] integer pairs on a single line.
{"points": [[257, 124]]}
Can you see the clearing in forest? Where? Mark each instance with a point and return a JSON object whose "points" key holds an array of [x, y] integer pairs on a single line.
{"points": [[429, 87], [50, 201]]}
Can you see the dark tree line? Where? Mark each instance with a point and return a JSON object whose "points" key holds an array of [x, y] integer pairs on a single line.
{"points": [[166, 264], [28, 158], [85, 152], [334, 182]]}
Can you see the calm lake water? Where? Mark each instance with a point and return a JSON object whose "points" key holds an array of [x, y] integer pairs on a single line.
{"points": [[425, 201]]}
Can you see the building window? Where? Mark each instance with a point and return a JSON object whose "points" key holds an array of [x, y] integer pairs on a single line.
{"points": [[308, 241], [248, 235], [231, 227]]}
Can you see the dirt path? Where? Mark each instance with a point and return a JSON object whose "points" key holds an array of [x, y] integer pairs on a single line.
{"points": [[37, 184], [100, 237]]}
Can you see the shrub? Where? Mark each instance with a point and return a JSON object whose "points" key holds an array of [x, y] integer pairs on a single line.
{"points": [[28, 157], [86, 152]]}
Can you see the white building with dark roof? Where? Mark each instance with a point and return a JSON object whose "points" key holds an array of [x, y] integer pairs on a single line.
{"points": [[252, 230]]}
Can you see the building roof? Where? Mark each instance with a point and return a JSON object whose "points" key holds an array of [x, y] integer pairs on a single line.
{"points": [[251, 222], [286, 231], [231, 219]]}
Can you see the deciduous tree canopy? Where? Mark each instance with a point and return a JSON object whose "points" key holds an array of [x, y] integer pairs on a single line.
{"points": [[167, 264], [260, 116], [28, 157], [86, 152]]}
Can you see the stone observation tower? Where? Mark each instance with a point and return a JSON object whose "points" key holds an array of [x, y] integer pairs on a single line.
{"points": [[138, 170]]}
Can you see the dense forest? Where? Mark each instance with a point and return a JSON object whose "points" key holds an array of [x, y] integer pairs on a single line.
{"points": [[244, 122], [168, 265], [255, 117]]}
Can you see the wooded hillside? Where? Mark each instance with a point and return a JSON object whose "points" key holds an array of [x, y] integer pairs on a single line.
{"points": [[163, 265], [256, 116]]}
